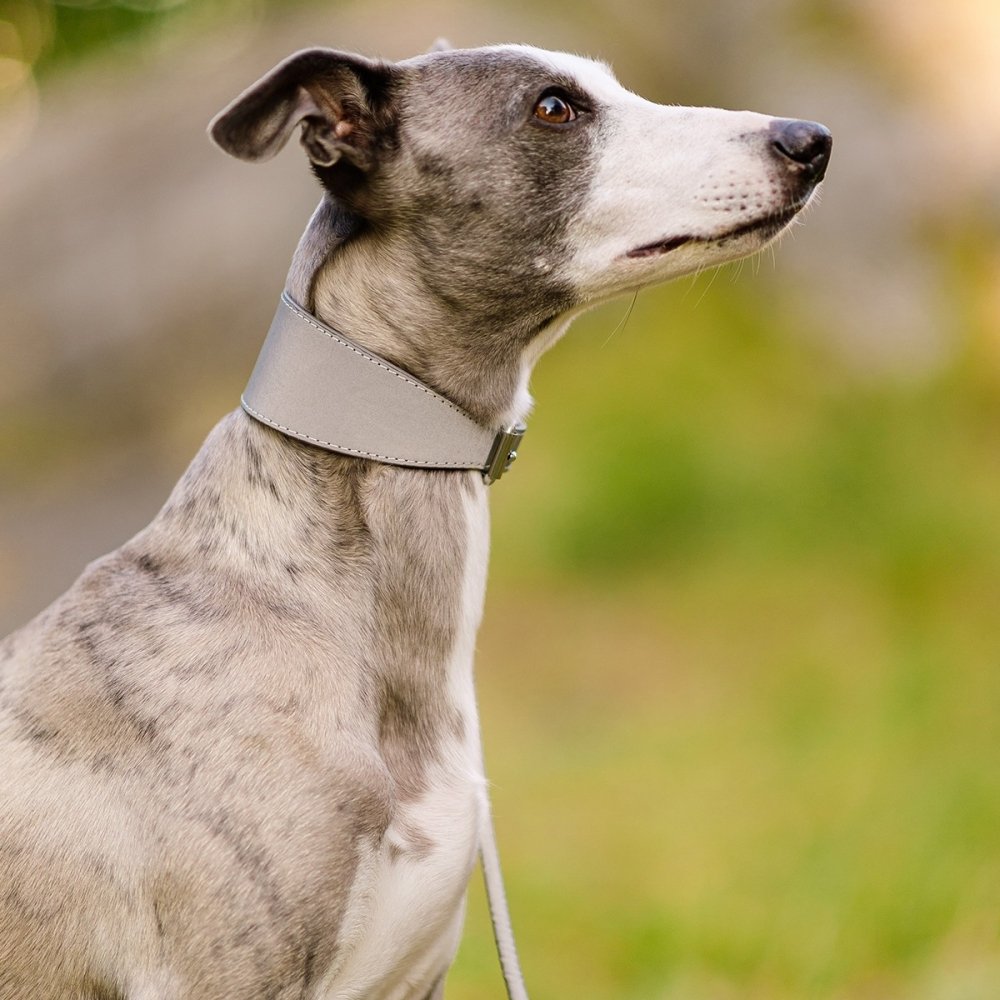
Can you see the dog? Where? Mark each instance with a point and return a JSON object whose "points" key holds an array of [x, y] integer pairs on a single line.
{"points": [[241, 754]]}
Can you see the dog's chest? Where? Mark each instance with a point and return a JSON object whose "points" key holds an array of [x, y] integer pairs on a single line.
{"points": [[406, 910], [406, 907]]}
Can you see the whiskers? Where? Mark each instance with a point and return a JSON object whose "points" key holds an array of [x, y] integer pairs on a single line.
{"points": [[694, 280], [624, 320]]}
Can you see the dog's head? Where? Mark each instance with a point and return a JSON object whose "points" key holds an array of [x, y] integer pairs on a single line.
{"points": [[522, 184]]}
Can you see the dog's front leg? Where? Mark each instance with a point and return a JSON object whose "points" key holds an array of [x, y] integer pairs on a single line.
{"points": [[437, 992]]}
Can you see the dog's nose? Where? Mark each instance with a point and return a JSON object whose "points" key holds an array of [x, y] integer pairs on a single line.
{"points": [[804, 146]]}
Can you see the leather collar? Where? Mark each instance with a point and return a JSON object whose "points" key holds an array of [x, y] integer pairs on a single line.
{"points": [[315, 384]]}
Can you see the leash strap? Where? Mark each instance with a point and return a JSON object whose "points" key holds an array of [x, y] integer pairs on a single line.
{"points": [[314, 384], [496, 895]]}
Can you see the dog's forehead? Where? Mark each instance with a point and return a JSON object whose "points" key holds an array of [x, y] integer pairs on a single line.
{"points": [[514, 62], [593, 76]]}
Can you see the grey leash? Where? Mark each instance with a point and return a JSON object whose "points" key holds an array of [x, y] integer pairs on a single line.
{"points": [[503, 931]]}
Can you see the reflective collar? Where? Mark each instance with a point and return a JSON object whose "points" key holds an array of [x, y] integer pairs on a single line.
{"points": [[314, 384]]}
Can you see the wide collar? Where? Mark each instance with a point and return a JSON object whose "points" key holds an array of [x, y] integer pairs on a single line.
{"points": [[314, 384]]}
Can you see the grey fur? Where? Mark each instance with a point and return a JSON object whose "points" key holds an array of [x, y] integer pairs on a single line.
{"points": [[187, 683], [208, 737]]}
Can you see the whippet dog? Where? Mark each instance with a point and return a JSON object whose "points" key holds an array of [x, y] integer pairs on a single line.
{"points": [[240, 756]]}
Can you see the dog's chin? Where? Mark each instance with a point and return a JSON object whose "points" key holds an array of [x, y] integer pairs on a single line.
{"points": [[738, 241]]}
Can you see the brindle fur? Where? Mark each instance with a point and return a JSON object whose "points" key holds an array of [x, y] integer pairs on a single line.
{"points": [[207, 733], [196, 711]]}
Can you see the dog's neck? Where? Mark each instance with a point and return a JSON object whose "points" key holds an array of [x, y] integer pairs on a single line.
{"points": [[374, 288], [382, 568]]}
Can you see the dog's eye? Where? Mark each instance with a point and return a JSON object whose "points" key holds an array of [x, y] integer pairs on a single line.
{"points": [[554, 109]]}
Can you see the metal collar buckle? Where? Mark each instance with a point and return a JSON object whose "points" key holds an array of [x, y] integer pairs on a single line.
{"points": [[503, 452]]}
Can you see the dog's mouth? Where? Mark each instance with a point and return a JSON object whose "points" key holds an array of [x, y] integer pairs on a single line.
{"points": [[765, 228]]}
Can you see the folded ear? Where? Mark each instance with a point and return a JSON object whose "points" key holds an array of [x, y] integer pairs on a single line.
{"points": [[341, 100]]}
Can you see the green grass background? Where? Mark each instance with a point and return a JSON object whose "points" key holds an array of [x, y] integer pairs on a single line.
{"points": [[739, 667]]}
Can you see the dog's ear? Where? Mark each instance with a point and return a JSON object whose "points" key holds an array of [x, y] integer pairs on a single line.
{"points": [[341, 100]]}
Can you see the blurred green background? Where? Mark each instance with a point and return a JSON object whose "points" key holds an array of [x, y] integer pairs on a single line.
{"points": [[739, 668]]}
